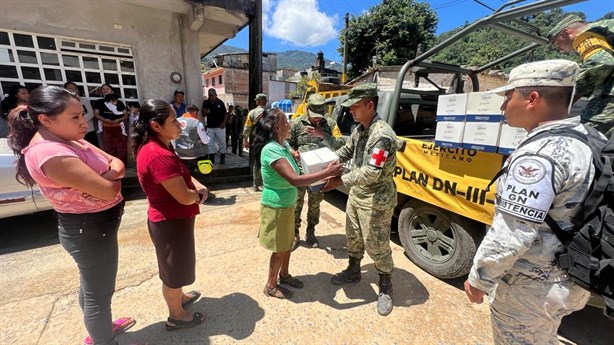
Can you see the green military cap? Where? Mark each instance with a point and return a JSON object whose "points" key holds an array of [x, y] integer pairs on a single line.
{"points": [[260, 96], [316, 104], [563, 24], [359, 92]]}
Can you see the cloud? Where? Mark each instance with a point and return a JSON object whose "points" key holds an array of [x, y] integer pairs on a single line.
{"points": [[298, 22]]}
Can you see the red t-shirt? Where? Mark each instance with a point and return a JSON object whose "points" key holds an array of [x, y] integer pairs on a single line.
{"points": [[156, 163]]}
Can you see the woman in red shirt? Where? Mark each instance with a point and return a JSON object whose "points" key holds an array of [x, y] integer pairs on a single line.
{"points": [[173, 197]]}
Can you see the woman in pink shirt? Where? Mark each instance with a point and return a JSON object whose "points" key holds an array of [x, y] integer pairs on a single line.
{"points": [[174, 196], [83, 185]]}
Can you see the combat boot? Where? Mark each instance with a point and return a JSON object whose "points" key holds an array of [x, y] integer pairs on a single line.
{"points": [[311, 239], [296, 242], [349, 275], [222, 158], [384, 300], [212, 158]]}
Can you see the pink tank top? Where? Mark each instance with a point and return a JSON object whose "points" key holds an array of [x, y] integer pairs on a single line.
{"points": [[67, 199]]}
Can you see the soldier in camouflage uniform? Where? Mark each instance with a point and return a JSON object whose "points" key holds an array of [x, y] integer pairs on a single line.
{"points": [[308, 132], [515, 263], [593, 42], [373, 196], [248, 136]]}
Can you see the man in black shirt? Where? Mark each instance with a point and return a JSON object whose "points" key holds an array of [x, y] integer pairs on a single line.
{"points": [[214, 112]]}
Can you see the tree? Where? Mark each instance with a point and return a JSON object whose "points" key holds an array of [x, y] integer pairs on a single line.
{"points": [[486, 45], [391, 32], [302, 86]]}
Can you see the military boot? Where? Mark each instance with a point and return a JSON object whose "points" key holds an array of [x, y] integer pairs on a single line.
{"points": [[222, 158], [311, 239], [384, 300], [212, 158], [297, 240], [349, 275]]}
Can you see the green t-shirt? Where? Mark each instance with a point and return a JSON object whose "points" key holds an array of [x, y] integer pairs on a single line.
{"points": [[277, 192]]}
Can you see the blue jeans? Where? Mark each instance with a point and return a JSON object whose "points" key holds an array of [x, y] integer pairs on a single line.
{"points": [[91, 240]]}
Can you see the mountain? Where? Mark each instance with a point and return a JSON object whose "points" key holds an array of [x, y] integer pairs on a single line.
{"points": [[294, 59]]}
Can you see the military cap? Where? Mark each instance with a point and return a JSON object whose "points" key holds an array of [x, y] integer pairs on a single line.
{"points": [[359, 92], [563, 24], [316, 105], [542, 73], [260, 96]]}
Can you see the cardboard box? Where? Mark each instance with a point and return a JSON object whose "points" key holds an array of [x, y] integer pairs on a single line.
{"points": [[452, 107], [317, 160], [484, 107], [509, 138], [481, 136], [449, 134]]}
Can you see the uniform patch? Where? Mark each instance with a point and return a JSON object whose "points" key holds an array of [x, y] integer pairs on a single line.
{"points": [[529, 171], [378, 157], [527, 192]]}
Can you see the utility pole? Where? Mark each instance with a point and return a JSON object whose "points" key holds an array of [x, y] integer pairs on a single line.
{"points": [[345, 48], [255, 54]]}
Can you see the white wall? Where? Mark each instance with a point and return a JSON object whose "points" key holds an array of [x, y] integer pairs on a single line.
{"points": [[279, 90], [155, 36]]}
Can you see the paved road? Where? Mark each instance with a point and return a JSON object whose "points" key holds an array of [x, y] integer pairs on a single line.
{"points": [[38, 303]]}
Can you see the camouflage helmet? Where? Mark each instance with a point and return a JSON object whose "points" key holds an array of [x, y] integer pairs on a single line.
{"points": [[563, 24], [359, 92], [561, 73], [316, 105]]}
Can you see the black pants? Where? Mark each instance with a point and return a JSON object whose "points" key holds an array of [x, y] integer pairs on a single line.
{"points": [[91, 240]]}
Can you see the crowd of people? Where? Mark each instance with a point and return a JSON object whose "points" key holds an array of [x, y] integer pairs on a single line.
{"points": [[54, 134]]}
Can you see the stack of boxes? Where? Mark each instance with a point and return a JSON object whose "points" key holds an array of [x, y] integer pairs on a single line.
{"points": [[475, 121]]}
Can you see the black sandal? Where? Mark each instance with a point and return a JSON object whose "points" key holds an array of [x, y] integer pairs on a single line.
{"points": [[285, 293], [290, 280], [194, 296], [173, 325]]}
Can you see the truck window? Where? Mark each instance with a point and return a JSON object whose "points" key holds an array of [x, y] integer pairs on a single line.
{"points": [[345, 121], [415, 120]]}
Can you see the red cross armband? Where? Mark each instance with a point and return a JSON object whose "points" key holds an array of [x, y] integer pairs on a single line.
{"points": [[380, 153]]}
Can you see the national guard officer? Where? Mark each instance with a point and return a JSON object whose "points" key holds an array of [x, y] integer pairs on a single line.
{"points": [[593, 42], [373, 196], [515, 263], [308, 132], [248, 136]]}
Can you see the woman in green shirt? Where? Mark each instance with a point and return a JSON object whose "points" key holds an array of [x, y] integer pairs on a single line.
{"points": [[280, 176]]}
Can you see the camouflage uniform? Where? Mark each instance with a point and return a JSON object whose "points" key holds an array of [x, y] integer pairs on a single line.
{"points": [[249, 136], [515, 263], [373, 194], [594, 45], [302, 142]]}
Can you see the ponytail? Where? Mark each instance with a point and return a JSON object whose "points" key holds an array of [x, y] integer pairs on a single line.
{"points": [[22, 129]]}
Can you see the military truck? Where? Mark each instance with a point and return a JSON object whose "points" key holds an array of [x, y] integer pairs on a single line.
{"points": [[444, 208]]}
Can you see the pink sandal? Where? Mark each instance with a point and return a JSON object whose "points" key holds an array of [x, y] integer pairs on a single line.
{"points": [[120, 325]]}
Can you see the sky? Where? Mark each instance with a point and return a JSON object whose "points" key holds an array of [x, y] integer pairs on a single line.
{"points": [[314, 25]]}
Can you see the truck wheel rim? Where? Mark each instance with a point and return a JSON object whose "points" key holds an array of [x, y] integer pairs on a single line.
{"points": [[428, 239]]}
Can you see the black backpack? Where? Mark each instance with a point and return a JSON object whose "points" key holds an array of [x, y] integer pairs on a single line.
{"points": [[589, 248]]}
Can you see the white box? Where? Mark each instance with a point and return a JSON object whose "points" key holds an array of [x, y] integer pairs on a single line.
{"points": [[481, 136], [452, 107], [449, 134], [317, 160], [509, 138], [484, 107]]}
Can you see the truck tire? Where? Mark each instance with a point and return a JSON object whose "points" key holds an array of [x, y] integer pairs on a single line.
{"points": [[440, 242]]}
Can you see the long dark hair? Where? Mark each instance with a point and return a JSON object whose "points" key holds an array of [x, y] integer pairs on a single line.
{"points": [[152, 110], [264, 131], [24, 123], [10, 102]]}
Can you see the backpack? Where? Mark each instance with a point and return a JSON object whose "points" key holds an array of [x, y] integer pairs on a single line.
{"points": [[588, 257]]}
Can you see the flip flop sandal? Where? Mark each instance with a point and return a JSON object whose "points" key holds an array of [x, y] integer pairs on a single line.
{"points": [[195, 295], [277, 292], [290, 280], [119, 326], [173, 325]]}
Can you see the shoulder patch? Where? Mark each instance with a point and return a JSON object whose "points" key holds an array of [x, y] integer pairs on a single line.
{"points": [[527, 191]]}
